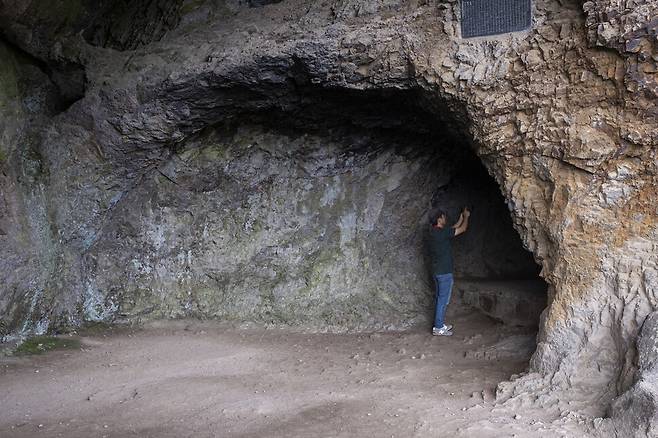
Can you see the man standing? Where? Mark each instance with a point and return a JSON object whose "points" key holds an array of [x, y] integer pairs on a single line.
{"points": [[441, 256]]}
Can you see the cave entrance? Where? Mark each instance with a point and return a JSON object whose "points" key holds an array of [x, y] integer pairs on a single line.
{"points": [[494, 273]]}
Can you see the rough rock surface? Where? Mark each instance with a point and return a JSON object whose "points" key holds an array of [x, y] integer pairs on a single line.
{"points": [[564, 117], [635, 413], [518, 302], [27, 100]]}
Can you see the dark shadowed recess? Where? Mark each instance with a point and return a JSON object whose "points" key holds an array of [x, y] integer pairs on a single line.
{"points": [[68, 78], [126, 24]]}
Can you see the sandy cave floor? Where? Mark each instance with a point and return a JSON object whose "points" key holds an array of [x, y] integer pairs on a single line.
{"points": [[203, 379]]}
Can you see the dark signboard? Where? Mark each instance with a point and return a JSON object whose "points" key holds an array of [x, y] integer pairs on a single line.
{"points": [[491, 17]]}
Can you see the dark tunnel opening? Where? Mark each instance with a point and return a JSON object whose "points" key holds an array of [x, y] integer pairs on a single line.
{"points": [[494, 273]]}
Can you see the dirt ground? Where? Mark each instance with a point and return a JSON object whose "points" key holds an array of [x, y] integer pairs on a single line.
{"points": [[202, 379]]}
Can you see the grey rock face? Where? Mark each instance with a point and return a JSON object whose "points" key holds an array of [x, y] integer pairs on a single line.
{"points": [[27, 101], [254, 224], [635, 412], [251, 223]]}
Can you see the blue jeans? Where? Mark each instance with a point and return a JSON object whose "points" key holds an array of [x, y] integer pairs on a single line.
{"points": [[443, 291]]}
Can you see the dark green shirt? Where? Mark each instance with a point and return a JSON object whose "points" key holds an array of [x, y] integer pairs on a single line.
{"points": [[440, 243]]}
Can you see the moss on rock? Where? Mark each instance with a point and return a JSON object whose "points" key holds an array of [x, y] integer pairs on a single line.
{"points": [[42, 344]]}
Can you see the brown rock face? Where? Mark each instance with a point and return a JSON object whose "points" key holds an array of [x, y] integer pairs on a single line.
{"points": [[564, 116]]}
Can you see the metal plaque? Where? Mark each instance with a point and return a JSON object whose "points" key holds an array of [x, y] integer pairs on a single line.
{"points": [[492, 17]]}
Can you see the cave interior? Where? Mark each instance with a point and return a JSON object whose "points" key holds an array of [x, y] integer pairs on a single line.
{"points": [[352, 178]]}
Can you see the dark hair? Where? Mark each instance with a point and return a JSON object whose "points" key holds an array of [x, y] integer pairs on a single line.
{"points": [[437, 215]]}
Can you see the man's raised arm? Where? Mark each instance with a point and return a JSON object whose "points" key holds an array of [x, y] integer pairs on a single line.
{"points": [[459, 221], [462, 223]]}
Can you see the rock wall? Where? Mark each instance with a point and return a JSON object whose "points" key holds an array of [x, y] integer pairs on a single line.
{"points": [[563, 116], [251, 224], [27, 101], [324, 228], [635, 413]]}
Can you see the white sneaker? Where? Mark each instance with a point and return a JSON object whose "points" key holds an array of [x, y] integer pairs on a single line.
{"points": [[443, 331]]}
